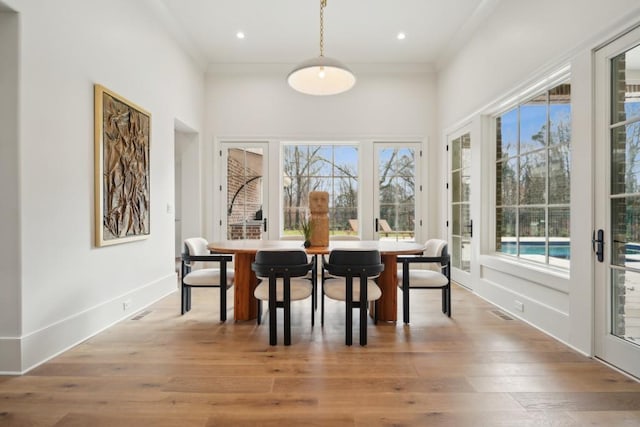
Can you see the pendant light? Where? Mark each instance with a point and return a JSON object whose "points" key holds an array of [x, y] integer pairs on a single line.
{"points": [[321, 75]]}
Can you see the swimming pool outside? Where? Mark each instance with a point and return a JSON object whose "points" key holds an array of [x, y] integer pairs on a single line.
{"points": [[558, 247]]}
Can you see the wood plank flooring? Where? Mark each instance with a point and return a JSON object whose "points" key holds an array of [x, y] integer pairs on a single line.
{"points": [[476, 369]]}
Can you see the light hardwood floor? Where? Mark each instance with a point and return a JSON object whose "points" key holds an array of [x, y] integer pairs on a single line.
{"points": [[158, 368]]}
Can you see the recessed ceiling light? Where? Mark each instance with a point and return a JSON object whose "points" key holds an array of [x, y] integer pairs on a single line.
{"points": [[401, 36], [240, 35]]}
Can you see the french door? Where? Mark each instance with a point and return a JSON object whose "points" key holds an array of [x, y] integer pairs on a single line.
{"points": [[460, 223], [395, 194], [244, 189], [617, 234]]}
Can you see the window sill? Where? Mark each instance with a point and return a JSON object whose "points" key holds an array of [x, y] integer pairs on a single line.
{"points": [[543, 275]]}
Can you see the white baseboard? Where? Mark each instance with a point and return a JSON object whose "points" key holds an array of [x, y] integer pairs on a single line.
{"points": [[19, 355]]}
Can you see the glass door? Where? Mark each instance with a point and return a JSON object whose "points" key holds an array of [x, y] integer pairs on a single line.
{"points": [[395, 192], [617, 234], [245, 184], [461, 225]]}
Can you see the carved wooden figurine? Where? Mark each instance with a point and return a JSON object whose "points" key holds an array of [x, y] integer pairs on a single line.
{"points": [[319, 208]]}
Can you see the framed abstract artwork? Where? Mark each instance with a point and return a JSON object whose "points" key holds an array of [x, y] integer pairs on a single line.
{"points": [[122, 181]]}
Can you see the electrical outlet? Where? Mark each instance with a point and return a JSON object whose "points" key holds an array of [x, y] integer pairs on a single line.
{"points": [[519, 305], [126, 304]]}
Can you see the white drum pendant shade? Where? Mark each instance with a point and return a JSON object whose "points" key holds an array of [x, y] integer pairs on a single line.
{"points": [[321, 76]]}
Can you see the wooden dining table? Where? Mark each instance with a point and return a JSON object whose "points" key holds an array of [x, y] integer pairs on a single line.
{"points": [[245, 281]]}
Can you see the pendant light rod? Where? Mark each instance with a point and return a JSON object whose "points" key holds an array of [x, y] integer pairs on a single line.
{"points": [[323, 4]]}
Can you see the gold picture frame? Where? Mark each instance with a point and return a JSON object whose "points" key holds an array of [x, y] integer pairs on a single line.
{"points": [[122, 170]]}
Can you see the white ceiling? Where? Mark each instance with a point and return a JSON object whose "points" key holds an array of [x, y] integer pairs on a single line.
{"points": [[356, 31]]}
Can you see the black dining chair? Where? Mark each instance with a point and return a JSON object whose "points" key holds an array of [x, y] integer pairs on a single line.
{"points": [[343, 267], [282, 275]]}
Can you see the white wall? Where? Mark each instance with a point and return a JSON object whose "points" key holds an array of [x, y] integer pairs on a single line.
{"points": [[71, 289], [188, 156], [9, 191], [522, 42], [177, 170], [518, 40], [260, 105]]}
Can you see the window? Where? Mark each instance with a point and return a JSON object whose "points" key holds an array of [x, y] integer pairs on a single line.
{"points": [[396, 191], [533, 162], [330, 168], [245, 187]]}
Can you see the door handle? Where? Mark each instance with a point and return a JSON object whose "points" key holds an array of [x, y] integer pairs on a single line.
{"points": [[376, 225], [264, 223], [597, 244]]}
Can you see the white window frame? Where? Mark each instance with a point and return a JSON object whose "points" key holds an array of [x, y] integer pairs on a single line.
{"points": [[490, 256]]}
